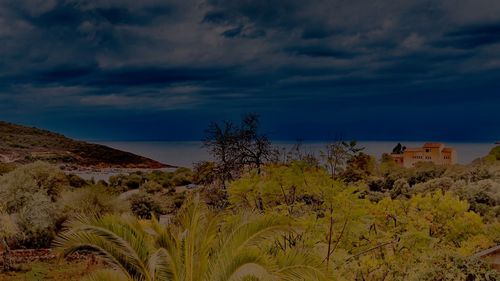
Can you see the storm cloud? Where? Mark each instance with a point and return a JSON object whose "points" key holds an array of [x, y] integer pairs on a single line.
{"points": [[366, 69]]}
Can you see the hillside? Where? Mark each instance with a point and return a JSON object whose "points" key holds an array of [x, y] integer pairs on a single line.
{"points": [[495, 153], [22, 144]]}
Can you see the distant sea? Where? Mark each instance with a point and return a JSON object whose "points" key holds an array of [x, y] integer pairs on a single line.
{"points": [[186, 153]]}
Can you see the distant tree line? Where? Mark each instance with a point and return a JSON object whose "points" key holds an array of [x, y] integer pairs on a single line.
{"points": [[239, 147]]}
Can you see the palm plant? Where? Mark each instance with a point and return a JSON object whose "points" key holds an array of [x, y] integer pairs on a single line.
{"points": [[198, 246]]}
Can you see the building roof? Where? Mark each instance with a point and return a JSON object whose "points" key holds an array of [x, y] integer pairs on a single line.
{"points": [[414, 149], [433, 145], [487, 252], [448, 149]]}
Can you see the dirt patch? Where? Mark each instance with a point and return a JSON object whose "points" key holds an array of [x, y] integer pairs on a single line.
{"points": [[34, 255]]}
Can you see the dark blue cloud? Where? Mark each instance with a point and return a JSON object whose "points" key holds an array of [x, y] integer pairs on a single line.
{"points": [[217, 17], [316, 32], [145, 16], [124, 69], [233, 32], [152, 76], [64, 15], [70, 14], [319, 51], [63, 74], [471, 36], [267, 13]]}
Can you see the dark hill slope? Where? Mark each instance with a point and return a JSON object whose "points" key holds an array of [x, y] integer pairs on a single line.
{"points": [[26, 144]]}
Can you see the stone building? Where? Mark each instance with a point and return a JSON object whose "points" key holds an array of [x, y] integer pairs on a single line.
{"points": [[433, 152]]}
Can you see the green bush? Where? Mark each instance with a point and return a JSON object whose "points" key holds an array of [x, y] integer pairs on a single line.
{"points": [[205, 173], [38, 221], [215, 197], [424, 171], [376, 184], [76, 181], [483, 197], [182, 176], [144, 206], [179, 199], [401, 188], [95, 199], [31, 192], [18, 186], [134, 181], [152, 187], [161, 177], [126, 182], [450, 267]]}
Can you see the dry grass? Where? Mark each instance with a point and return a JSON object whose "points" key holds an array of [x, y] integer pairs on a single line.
{"points": [[51, 270]]}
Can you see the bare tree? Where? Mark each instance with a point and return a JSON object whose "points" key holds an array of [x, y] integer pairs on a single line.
{"points": [[221, 140], [235, 147], [337, 153], [254, 148], [284, 156]]}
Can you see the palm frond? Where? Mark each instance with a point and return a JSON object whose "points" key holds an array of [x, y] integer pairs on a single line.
{"points": [[121, 243], [295, 265], [197, 246], [107, 275], [252, 230], [249, 263], [158, 265]]}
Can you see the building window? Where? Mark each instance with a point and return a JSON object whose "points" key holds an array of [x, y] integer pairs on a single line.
{"points": [[427, 150]]}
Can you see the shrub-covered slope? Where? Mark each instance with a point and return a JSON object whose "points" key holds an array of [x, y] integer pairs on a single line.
{"points": [[25, 144]]}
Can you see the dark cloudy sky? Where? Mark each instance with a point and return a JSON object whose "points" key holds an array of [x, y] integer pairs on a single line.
{"points": [[158, 69]]}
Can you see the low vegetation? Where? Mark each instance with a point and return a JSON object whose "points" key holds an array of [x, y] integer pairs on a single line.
{"points": [[287, 216], [50, 270]]}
